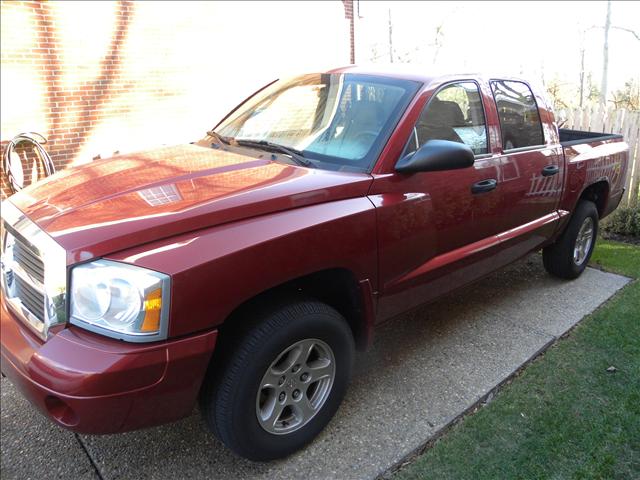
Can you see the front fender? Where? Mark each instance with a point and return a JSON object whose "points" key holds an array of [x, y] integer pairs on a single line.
{"points": [[215, 270]]}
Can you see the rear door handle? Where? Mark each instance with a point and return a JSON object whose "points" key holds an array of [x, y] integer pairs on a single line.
{"points": [[484, 186], [550, 170]]}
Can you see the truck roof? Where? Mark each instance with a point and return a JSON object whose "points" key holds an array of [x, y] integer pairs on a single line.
{"points": [[424, 73]]}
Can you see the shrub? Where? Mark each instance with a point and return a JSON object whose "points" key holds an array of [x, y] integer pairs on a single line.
{"points": [[623, 221]]}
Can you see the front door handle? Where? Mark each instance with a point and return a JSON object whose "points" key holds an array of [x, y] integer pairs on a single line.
{"points": [[550, 170], [484, 186]]}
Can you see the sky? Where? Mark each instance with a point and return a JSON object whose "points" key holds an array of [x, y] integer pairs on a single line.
{"points": [[538, 40]]}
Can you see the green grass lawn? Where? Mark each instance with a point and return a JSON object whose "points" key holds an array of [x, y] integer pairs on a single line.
{"points": [[565, 416], [617, 257]]}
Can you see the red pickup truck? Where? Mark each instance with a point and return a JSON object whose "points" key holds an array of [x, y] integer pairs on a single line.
{"points": [[243, 270]]}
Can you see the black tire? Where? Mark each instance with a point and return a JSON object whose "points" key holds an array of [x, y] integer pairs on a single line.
{"points": [[558, 258], [230, 392]]}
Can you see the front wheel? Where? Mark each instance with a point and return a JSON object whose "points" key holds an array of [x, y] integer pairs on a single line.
{"points": [[570, 254], [283, 381]]}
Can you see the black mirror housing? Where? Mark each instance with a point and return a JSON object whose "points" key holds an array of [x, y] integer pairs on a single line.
{"points": [[437, 155]]}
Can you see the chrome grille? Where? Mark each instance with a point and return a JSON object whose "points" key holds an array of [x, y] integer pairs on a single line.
{"points": [[32, 272], [29, 260], [24, 275], [30, 297]]}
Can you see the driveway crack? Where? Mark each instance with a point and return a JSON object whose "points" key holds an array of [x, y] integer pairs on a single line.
{"points": [[90, 457]]}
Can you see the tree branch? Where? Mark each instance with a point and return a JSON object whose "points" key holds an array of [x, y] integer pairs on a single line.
{"points": [[632, 32]]}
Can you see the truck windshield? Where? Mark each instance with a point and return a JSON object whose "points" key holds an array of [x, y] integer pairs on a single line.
{"points": [[337, 121]]}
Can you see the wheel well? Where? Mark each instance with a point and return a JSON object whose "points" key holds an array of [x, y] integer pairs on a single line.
{"points": [[336, 287], [598, 194]]}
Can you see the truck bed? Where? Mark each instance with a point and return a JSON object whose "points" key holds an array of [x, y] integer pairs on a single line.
{"points": [[594, 158], [573, 137]]}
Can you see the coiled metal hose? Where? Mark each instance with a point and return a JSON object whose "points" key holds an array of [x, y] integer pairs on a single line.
{"points": [[13, 170]]}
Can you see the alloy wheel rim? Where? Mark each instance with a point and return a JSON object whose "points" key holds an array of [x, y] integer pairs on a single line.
{"points": [[583, 241], [296, 386]]}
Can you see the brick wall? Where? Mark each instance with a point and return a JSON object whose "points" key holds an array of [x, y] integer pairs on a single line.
{"points": [[349, 14], [100, 77]]}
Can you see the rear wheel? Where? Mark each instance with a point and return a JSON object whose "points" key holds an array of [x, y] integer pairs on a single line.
{"points": [[570, 254], [283, 381]]}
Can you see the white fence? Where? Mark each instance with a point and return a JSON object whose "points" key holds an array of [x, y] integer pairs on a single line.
{"points": [[608, 120]]}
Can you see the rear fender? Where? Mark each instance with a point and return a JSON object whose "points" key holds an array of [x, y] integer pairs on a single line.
{"points": [[590, 167]]}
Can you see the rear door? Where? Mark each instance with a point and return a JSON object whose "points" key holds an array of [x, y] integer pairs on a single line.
{"points": [[531, 165]]}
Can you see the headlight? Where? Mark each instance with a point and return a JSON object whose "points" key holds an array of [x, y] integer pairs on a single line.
{"points": [[120, 300]]}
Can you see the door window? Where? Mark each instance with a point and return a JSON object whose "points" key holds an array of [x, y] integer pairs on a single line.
{"points": [[455, 113], [518, 114]]}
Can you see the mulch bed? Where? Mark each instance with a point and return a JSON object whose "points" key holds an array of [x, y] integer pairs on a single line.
{"points": [[620, 238]]}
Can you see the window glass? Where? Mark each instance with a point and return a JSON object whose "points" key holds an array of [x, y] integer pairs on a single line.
{"points": [[339, 121], [518, 113], [455, 114], [288, 114]]}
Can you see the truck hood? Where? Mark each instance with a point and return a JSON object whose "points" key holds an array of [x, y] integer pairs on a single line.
{"points": [[128, 200]]}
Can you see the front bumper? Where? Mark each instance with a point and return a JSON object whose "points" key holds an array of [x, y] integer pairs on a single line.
{"points": [[92, 384]]}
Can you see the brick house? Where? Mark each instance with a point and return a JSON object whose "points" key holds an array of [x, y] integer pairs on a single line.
{"points": [[100, 77]]}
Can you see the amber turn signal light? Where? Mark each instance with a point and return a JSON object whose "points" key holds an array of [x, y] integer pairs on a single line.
{"points": [[152, 307]]}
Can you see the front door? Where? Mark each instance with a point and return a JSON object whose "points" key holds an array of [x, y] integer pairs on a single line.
{"points": [[438, 230]]}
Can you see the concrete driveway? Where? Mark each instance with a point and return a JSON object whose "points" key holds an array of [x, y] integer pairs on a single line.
{"points": [[424, 371]]}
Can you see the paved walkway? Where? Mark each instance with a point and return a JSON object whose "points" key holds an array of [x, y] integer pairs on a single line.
{"points": [[423, 372]]}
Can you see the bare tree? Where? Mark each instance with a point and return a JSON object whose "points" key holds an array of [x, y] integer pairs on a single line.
{"points": [[583, 33], [438, 40], [390, 38], [605, 56], [604, 84]]}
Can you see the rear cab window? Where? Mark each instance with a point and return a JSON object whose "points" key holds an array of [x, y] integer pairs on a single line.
{"points": [[518, 114], [454, 113]]}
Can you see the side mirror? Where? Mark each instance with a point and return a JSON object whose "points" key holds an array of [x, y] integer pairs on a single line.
{"points": [[436, 155]]}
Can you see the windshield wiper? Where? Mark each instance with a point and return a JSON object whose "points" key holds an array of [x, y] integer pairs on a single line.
{"points": [[296, 155], [219, 138]]}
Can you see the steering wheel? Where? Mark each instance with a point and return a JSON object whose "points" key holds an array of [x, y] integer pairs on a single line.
{"points": [[365, 134]]}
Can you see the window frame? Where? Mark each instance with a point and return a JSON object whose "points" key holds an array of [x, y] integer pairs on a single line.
{"points": [[535, 101], [428, 103]]}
